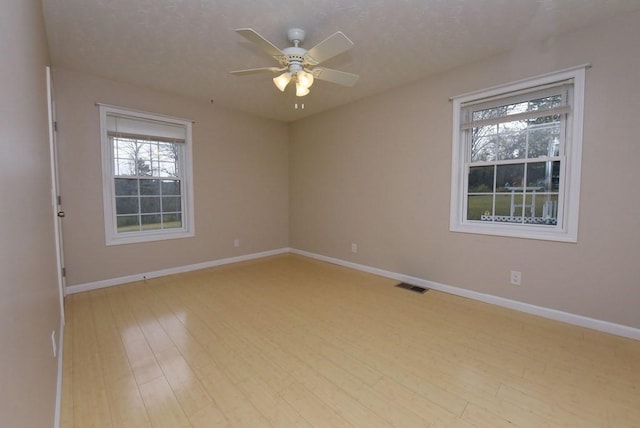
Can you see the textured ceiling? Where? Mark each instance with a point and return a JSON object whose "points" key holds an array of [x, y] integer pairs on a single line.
{"points": [[188, 47]]}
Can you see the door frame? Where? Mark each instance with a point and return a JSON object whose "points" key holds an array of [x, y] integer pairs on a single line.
{"points": [[55, 192]]}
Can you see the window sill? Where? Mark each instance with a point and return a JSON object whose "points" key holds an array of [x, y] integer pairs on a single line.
{"points": [[134, 238], [524, 232]]}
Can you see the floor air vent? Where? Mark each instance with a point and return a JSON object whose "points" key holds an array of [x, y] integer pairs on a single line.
{"points": [[412, 288]]}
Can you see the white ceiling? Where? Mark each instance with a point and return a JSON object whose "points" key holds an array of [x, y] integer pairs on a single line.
{"points": [[188, 47]]}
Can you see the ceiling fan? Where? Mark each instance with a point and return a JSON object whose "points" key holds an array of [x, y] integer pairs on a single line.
{"points": [[298, 64]]}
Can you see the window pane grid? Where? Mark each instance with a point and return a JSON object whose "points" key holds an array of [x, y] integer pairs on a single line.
{"points": [[516, 140], [495, 192], [145, 158], [142, 211]]}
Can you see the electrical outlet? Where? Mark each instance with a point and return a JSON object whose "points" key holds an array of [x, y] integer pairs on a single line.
{"points": [[54, 345], [354, 248], [236, 243], [516, 277]]}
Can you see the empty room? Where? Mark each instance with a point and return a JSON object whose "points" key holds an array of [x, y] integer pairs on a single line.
{"points": [[411, 213]]}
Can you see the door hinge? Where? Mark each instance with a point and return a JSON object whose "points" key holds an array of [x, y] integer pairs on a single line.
{"points": [[55, 126], [59, 200], [64, 272]]}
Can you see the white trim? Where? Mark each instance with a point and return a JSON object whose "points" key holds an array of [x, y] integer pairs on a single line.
{"points": [[58, 409], [554, 314], [142, 112], [58, 243], [170, 271], [579, 320], [55, 190], [520, 84]]}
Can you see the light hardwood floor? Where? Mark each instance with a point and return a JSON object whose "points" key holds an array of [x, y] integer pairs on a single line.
{"points": [[288, 341]]}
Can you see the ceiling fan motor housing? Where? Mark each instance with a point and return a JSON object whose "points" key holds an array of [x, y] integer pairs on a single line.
{"points": [[293, 58]]}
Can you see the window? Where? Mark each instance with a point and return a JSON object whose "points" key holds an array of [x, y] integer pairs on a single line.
{"points": [[516, 158], [146, 176]]}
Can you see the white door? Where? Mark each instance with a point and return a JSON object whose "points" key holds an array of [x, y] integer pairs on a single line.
{"points": [[56, 199]]}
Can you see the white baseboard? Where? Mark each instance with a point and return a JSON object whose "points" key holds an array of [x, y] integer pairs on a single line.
{"points": [[579, 320], [171, 271]]}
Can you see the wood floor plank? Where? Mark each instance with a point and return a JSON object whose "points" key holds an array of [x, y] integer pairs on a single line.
{"points": [[183, 381], [428, 410], [156, 337], [125, 403], [271, 404], [484, 418], [287, 341], [141, 358], [162, 406], [90, 402], [113, 355], [314, 410], [233, 403], [209, 416]]}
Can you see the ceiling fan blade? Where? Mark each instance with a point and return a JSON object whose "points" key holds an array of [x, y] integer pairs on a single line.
{"points": [[328, 48], [335, 76], [264, 44], [257, 71]]}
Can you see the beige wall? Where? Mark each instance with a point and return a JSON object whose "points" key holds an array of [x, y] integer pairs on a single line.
{"points": [[29, 307], [377, 173], [240, 182]]}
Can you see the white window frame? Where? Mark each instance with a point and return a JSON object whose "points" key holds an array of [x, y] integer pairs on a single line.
{"points": [[112, 237], [566, 229]]}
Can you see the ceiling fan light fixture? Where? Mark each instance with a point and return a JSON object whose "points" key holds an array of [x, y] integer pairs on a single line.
{"points": [[282, 81], [301, 91], [305, 78]]}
